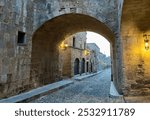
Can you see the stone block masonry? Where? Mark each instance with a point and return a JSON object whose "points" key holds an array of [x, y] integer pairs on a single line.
{"points": [[31, 60]]}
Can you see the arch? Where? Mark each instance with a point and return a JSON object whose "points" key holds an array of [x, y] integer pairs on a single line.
{"points": [[83, 65], [40, 54], [76, 66], [81, 22], [47, 38]]}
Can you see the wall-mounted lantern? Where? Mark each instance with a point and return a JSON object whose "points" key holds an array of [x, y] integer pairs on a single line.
{"points": [[63, 46], [86, 52], [146, 41]]}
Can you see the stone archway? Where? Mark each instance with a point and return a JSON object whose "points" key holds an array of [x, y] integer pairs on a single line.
{"points": [[47, 38], [45, 23]]}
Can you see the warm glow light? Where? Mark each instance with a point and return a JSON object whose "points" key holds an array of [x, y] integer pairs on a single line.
{"points": [[86, 52], [146, 40], [63, 46], [66, 45], [146, 46]]}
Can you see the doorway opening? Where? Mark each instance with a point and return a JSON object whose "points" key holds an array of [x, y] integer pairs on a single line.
{"points": [[76, 66]]}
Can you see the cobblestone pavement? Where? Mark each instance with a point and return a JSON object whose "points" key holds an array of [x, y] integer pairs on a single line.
{"points": [[91, 90]]}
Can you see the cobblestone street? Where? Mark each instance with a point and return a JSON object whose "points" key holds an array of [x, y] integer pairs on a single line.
{"points": [[91, 90]]}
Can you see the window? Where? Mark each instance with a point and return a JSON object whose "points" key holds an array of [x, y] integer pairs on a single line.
{"points": [[74, 41], [21, 37], [49, 8], [76, 66], [1, 9]]}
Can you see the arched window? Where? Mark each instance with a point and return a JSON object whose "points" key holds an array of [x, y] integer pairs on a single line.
{"points": [[76, 66], [83, 66], [74, 42]]}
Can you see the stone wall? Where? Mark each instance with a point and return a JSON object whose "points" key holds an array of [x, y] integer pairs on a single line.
{"points": [[104, 61], [45, 24], [135, 23], [65, 67], [97, 61], [68, 55], [94, 53], [101, 61], [15, 58]]}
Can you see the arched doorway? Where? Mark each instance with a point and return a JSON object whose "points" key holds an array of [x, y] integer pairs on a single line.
{"points": [[76, 66], [83, 66], [87, 67]]}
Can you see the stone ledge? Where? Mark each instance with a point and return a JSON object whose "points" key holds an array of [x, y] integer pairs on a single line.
{"points": [[37, 92], [137, 99], [82, 77]]}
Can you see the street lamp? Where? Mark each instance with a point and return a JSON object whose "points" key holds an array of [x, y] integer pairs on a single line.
{"points": [[86, 52], [146, 41], [63, 46]]}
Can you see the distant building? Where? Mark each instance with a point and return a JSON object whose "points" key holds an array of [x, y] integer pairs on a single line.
{"points": [[104, 61], [76, 57], [101, 60], [94, 50]]}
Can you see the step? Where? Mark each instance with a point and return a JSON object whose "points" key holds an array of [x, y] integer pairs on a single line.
{"points": [[37, 92]]}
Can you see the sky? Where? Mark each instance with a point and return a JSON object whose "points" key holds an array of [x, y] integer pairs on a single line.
{"points": [[101, 42]]}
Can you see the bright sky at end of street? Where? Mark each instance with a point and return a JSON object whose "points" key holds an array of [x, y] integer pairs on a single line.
{"points": [[101, 42]]}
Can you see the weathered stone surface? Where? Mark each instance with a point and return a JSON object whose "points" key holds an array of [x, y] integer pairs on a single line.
{"points": [[47, 23], [76, 49], [136, 59]]}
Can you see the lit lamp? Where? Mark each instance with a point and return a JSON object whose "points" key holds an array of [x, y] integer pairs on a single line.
{"points": [[86, 52], [146, 40], [63, 46]]}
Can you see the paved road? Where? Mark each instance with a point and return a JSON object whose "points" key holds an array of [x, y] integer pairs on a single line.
{"points": [[91, 90]]}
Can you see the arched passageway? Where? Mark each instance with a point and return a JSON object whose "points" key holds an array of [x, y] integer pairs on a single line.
{"points": [[41, 26], [47, 38], [76, 66]]}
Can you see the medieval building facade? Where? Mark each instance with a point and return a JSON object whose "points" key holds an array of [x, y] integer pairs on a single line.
{"points": [[76, 58]]}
